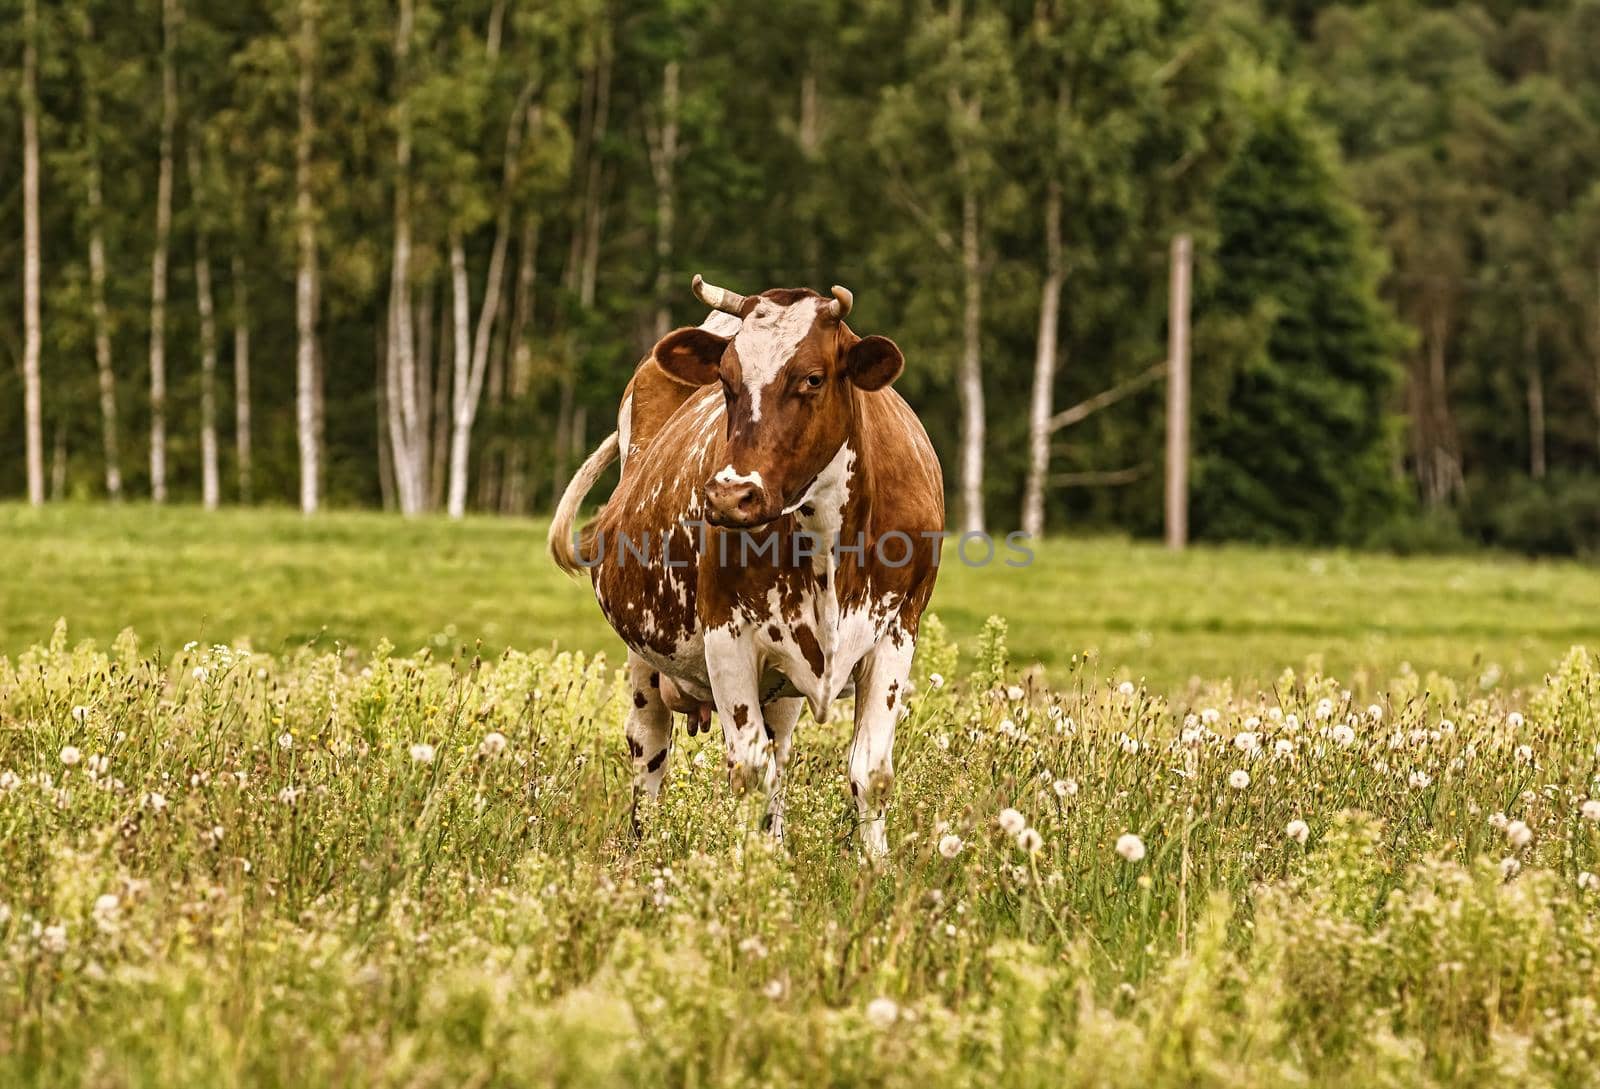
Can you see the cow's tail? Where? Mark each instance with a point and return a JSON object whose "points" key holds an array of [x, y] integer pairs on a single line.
{"points": [[562, 547]]}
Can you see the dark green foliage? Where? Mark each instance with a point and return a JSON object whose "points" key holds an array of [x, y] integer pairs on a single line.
{"points": [[1300, 444]]}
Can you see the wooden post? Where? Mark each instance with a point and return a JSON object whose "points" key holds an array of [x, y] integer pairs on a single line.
{"points": [[1178, 396]]}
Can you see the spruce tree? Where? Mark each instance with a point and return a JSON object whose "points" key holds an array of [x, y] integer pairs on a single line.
{"points": [[1299, 443]]}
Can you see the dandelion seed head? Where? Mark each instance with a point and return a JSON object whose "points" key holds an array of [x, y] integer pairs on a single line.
{"points": [[1297, 830], [1011, 821], [1518, 834], [1514, 720], [882, 1012], [1130, 847], [80, 715], [493, 744], [936, 681], [1125, 689], [1065, 788], [950, 845], [422, 753], [1509, 867], [1591, 810], [1030, 840], [1247, 742], [1239, 779], [70, 755]]}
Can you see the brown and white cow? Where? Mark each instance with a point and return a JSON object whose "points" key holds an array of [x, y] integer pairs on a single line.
{"points": [[782, 508]]}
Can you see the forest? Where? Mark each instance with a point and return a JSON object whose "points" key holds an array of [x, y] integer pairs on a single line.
{"points": [[405, 254]]}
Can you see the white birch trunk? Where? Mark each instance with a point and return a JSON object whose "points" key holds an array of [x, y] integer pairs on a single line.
{"points": [[158, 261], [1040, 405], [663, 141], [33, 402], [406, 415], [970, 379], [306, 274], [243, 453], [99, 312], [210, 482]]}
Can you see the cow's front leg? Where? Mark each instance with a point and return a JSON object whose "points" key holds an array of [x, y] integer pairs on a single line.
{"points": [[780, 716], [880, 696], [733, 669], [649, 731]]}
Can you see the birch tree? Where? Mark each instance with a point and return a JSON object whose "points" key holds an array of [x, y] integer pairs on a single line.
{"points": [[171, 15], [33, 407], [306, 372], [89, 70], [210, 478]]}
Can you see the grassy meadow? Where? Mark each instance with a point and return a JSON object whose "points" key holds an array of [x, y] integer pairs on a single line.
{"points": [[279, 582], [283, 831]]}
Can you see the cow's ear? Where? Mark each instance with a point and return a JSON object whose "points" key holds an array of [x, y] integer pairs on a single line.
{"points": [[874, 362], [691, 355]]}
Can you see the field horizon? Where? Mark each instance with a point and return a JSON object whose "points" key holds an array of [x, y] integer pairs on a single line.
{"points": [[277, 581]]}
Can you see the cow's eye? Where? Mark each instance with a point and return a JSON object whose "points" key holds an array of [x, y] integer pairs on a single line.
{"points": [[813, 381]]}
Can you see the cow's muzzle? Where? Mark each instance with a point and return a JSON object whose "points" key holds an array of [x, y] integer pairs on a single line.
{"points": [[737, 504]]}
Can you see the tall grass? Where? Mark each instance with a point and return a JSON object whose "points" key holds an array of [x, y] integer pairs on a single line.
{"points": [[226, 868]]}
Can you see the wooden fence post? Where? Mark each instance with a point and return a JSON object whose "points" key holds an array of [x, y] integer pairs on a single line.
{"points": [[1178, 395]]}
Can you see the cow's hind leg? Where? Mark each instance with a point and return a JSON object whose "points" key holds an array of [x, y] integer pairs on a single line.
{"points": [[649, 731], [780, 717], [880, 697]]}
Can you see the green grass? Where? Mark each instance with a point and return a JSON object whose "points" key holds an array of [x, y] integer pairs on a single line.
{"points": [[280, 581], [286, 854], [231, 869]]}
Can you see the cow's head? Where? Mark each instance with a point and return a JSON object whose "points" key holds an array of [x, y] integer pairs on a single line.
{"points": [[788, 374]]}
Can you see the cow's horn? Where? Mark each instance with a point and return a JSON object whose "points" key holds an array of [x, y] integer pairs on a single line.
{"points": [[842, 301], [718, 298]]}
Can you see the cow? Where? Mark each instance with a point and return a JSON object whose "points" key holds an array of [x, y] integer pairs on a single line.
{"points": [[772, 542]]}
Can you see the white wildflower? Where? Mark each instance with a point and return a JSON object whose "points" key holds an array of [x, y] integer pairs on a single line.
{"points": [[1012, 822], [493, 744], [1518, 834], [1514, 720], [53, 938], [1030, 840], [1130, 745], [1420, 779], [80, 715], [1297, 830], [1130, 847], [950, 845], [70, 755], [286, 741], [1524, 754], [9, 780], [1238, 779], [1065, 788], [422, 752], [1587, 880], [774, 989], [1247, 742], [1498, 821], [1591, 810], [1509, 867], [1014, 693], [1210, 716], [1283, 746], [1125, 689], [155, 801], [1343, 735], [1375, 713], [1324, 709], [936, 680], [882, 1012]]}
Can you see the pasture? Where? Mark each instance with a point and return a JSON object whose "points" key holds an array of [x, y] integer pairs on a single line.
{"points": [[281, 582], [297, 827]]}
